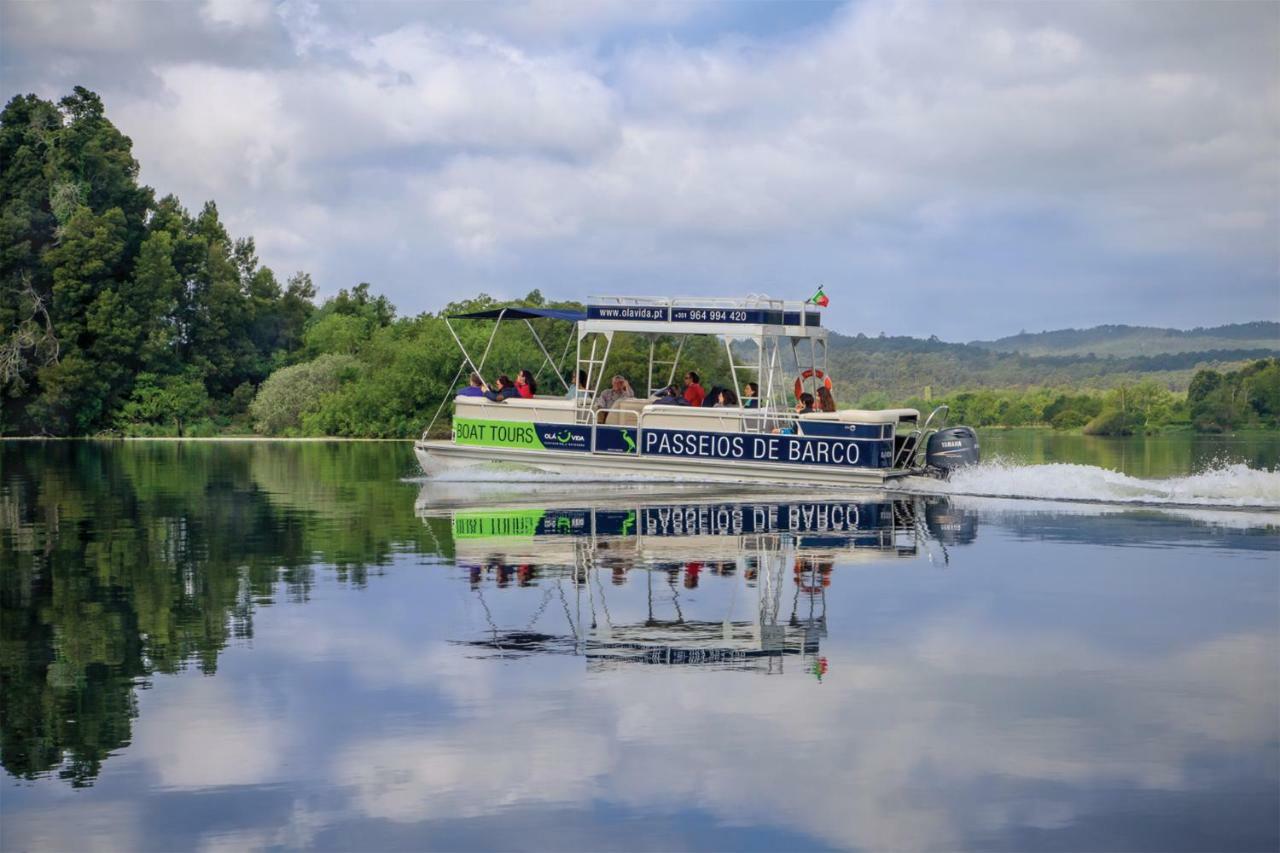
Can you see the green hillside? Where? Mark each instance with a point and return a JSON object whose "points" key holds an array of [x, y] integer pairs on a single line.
{"points": [[1128, 341], [901, 367]]}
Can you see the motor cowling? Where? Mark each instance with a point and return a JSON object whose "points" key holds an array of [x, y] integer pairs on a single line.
{"points": [[952, 448]]}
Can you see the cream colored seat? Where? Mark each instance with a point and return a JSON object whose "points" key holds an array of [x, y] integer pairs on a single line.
{"points": [[630, 415], [865, 416], [691, 418]]}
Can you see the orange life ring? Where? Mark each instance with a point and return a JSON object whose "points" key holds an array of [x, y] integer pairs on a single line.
{"points": [[826, 380]]}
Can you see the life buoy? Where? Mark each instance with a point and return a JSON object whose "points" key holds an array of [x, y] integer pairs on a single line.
{"points": [[808, 374]]}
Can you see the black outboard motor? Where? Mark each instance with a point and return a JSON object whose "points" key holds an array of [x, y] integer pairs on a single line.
{"points": [[951, 448]]}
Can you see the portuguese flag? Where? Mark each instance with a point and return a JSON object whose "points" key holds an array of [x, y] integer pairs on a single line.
{"points": [[820, 299]]}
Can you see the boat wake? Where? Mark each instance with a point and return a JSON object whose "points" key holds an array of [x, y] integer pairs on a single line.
{"points": [[1230, 486], [1226, 486]]}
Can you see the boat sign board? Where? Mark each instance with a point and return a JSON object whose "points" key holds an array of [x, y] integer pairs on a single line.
{"points": [[827, 451], [785, 449], [521, 435], [695, 314]]}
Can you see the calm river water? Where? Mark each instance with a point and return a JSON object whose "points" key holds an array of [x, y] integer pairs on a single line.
{"points": [[243, 645]]}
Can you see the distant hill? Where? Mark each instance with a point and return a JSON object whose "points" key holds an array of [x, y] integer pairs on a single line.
{"points": [[901, 367], [1128, 341]]}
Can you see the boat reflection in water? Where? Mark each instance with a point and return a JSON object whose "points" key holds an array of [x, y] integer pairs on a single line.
{"points": [[682, 582]]}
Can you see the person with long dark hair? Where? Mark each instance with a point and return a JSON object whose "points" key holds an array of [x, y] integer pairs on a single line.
{"points": [[505, 391], [526, 384], [826, 403]]}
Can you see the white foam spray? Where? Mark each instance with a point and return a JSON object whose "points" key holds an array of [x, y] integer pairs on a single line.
{"points": [[1223, 485]]}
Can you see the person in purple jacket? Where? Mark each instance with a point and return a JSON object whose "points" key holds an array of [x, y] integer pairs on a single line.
{"points": [[475, 387]]}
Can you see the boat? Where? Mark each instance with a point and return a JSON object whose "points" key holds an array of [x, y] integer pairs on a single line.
{"points": [[699, 579], [779, 346]]}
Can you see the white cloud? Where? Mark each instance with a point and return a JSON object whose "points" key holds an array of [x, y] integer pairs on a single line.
{"points": [[236, 14], [935, 707], [500, 139], [203, 736]]}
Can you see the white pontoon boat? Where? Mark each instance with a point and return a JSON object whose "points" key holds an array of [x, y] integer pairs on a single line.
{"points": [[765, 341]]}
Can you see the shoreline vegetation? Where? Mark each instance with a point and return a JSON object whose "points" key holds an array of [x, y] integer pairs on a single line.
{"points": [[126, 316]]}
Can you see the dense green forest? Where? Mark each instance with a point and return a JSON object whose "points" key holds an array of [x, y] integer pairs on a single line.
{"points": [[119, 308], [121, 313]]}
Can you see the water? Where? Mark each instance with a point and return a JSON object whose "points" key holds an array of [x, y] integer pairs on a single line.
{"points": [[277, 645], [1158, 456]]}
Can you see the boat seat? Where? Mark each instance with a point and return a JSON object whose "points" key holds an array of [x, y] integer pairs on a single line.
{"points": [[548, 409], [630, 404], [692, 418], [865, 416]]}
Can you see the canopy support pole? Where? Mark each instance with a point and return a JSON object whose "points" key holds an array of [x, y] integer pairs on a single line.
{"points": [[466, 358], [447, 394], [492, 335], [675, 362], [733, 368], [537, 340]]}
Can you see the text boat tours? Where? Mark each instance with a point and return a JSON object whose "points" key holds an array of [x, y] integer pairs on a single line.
{"points": [[776, 346]]}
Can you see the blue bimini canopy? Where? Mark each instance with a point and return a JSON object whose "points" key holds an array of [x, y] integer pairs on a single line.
{"points": [[516, 312]]}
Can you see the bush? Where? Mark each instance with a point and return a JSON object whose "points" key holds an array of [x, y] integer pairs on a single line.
{"points": [[161, 400], [292, 392]]}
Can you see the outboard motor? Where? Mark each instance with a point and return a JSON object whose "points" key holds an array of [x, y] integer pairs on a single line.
{"points": [[951, 448]]}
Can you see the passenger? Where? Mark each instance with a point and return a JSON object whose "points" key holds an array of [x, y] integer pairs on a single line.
{"points": [[751, 396], [506, 390], [709, 401], [727, 399], [693, 391], [619, 389], [578, 388], [475, 387], [826, 403], [804, 406], [526, 385], [670, 396]]}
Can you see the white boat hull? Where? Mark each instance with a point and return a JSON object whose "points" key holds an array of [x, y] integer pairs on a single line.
{"points": [[438, 457]]}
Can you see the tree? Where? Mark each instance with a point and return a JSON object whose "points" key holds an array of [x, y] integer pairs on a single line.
{"points": [[100, 284], [157, 399], [292, 392]]}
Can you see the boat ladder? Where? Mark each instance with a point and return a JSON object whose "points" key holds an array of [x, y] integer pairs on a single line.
{"points": [[906, 457]]}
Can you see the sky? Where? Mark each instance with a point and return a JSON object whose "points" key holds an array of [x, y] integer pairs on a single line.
{"points": [[969, 170]]}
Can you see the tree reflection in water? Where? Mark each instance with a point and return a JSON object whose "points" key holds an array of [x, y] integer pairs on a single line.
{"points": [[123, 561], [126, 560]]}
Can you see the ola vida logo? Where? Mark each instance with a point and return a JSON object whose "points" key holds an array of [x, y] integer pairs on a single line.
{"points": [[562, 437]]}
